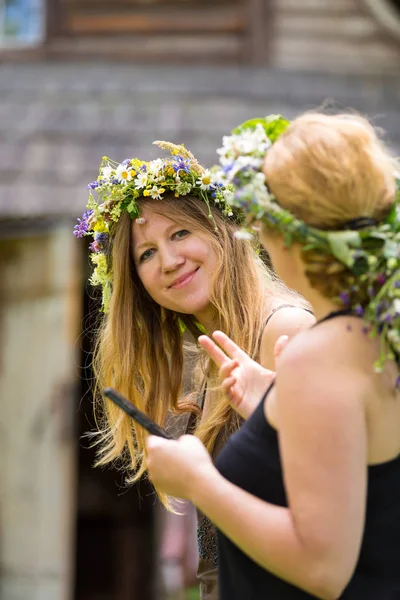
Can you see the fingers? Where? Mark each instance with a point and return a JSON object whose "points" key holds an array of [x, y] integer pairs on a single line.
{"points": [[154, 441], [280, 344], [226, 369], [230, 348], [227, 385], [214, 351]]}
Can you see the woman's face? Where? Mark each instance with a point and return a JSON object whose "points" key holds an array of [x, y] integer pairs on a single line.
{"points": [[174, 264]]}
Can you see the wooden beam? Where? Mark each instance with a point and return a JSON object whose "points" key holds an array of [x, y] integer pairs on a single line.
{"points": [[227, 20], [260, 15]]}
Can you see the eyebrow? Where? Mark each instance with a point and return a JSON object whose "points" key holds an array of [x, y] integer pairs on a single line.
{"points": [[144, 244]]}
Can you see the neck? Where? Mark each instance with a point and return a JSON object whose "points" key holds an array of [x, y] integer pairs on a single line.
{"points": [[321, 305], [207, 318]]}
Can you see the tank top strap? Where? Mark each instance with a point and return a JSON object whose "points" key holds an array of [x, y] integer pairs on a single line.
{"points": [[271, 314], [337, 313]]}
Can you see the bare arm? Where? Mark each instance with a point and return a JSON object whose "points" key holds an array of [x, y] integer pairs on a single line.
{"points": [[323, 440], [313, 544]]}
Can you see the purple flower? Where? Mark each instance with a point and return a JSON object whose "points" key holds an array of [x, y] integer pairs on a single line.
{"points": [[397, 384], [381, 278], [81, 228], [101, 241], [397, 284], [345, 298], [92, 185], [143, 168], [94, 247], [359, 310], [126, 162], [371, 292], [181, 164]]}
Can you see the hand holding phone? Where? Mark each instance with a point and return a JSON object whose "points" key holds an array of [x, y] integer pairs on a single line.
{"points": [[136, 414]]}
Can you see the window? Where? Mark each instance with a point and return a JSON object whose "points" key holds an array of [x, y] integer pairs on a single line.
{"points": [[387, 12], [22, 23]]}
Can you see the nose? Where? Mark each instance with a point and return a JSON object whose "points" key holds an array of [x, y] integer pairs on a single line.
{"points": [[170, 260]]}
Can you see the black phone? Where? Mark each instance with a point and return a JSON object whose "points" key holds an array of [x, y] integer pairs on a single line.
{"points": [[136, 414]]}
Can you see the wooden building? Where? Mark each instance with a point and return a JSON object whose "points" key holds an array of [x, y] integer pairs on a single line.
{"points": [[109, 78]]}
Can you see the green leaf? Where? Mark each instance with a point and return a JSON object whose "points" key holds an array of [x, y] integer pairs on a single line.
{"points": [[340, 248], [132, 209], [273, 125], [390, 249]]}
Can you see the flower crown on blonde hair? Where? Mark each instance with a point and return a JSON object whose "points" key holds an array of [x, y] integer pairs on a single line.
{"points": [[118, 188], [370, 251]]}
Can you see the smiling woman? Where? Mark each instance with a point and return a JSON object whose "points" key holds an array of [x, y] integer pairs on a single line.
{"points": [[171, 268], [175, 265]]}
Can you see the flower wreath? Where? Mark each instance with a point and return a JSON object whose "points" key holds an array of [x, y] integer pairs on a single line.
{"points": [[119, 186], [371, 254]]}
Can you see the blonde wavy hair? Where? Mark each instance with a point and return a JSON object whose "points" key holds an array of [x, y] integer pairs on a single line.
{"points": [[329, 169], [140, 345]]}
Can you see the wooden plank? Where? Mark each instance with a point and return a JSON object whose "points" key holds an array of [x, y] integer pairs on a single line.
{"points": [[186, 49], [318, 6], [316, 26], [369, 56], [225, 20], [134, 4]]}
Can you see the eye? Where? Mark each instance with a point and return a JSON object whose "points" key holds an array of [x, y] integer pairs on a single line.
{"points": [[146, 255], [179, 235]]}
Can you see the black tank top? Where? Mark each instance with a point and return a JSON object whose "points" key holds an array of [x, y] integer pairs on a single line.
{"points": [[251, 460]]}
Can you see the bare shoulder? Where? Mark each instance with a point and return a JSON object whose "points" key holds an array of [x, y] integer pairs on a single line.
{"points": [[286, 321], [340, 341]]}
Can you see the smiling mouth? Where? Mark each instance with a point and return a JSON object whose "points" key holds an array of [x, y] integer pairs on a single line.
{"points": [[184, 280]]}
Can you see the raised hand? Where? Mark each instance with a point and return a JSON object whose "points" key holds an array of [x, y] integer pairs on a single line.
{"points": [[243, 380]]}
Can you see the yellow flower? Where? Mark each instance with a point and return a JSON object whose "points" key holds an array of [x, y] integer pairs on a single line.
{"points": [[100, 227], [133, 172], [176, 151], [146, 193], [136, 163]]}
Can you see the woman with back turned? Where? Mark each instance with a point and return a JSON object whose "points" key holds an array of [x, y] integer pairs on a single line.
{"points": [[306, 495]]}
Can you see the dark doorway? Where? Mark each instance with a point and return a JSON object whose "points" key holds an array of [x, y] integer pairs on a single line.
{"points": [[115, 524]]}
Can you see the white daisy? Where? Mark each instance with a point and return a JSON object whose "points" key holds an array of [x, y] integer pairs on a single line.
{"points": [[123, 174], [204, 181], [155, 192], [155, 167], [141, 180], [106, 172]]}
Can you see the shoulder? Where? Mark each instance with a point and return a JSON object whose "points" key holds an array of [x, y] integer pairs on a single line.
{"points": [[289, 320], [320, 353]]}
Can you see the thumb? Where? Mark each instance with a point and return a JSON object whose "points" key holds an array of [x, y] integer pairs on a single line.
{"points": [[279, 346], [153, 441]]}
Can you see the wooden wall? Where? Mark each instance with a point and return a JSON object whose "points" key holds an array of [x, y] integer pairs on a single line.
{"points": [[316, 35], [335, 36], [40, 318], [161, 30]]}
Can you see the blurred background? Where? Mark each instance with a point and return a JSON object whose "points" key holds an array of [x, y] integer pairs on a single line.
{"points": [[80, 79]]}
